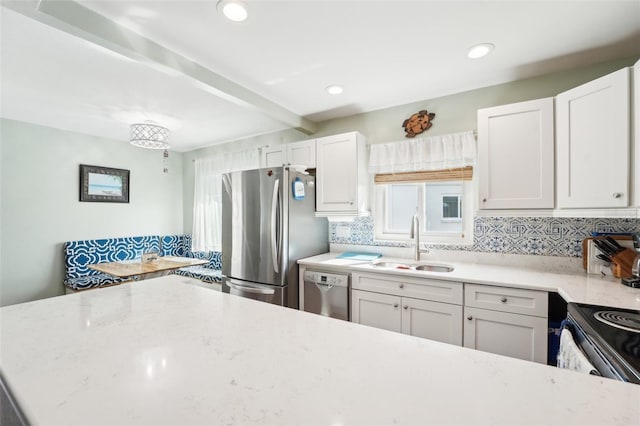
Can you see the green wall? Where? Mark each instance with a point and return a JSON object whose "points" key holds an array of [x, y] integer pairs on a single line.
{"points": [[39, 184], [454, 113]]}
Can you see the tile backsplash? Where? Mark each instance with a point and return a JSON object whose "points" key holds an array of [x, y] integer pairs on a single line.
{"points": [[544, 236]]}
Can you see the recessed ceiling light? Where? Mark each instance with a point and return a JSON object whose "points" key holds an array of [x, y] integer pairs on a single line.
{"points": [[480, 50], [334, 89], [233, 10]]}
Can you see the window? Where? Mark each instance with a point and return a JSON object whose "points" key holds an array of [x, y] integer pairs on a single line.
{"points": [[452, 208], [431, 176], [443, 207]]}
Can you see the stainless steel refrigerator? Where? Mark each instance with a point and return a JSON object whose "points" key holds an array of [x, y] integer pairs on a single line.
{"points": [[268, 223]]}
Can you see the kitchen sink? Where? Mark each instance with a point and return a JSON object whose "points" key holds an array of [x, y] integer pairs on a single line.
{"points": [[433, 268], [392, 265], [427, 267]]}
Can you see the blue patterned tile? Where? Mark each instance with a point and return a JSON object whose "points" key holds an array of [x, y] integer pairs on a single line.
{"points": [[545, 236]]}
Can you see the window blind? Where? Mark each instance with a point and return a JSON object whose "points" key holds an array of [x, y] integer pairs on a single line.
{"points": [[457, 174]]}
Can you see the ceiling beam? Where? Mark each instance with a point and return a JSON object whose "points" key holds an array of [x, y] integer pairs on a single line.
{"points": [[80, 21]]}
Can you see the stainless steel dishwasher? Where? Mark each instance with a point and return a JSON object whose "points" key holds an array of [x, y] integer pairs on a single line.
{"points": [[327, 293]]}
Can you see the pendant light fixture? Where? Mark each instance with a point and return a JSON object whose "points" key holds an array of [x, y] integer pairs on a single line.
{"points": [[147, 135], [165, 161]]}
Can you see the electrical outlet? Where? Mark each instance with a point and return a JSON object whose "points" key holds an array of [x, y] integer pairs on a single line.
{"points": [[343, 231]]}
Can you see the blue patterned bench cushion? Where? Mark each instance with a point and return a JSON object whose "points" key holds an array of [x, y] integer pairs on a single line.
{"points": [[202, 273], [90, 281], [180, 245], [80, 254], [176, 245]]}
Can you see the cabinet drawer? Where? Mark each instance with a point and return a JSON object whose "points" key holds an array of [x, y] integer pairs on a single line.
{"points": [[504, 299], [419, 288]]}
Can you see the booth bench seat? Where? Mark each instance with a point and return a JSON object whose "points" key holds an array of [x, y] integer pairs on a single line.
{"points": [[80, 254], [180, 245]]}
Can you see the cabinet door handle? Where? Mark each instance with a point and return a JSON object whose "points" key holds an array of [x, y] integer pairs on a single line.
{"points": [[503, 300], [469, 317], [401, 286], [406, 307], [395, 305], [484, 200], [617, 195]]}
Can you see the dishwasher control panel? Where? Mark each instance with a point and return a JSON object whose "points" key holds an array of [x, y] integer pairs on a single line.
{"points": [[339, 280]]}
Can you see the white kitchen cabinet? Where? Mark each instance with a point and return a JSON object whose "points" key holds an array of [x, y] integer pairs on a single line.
{"points": [[635, 166], [516, 156], [376, 310], [274, 156], [381, 301], [506, 321], [502, 320], [341, 175], [503, 333], [432, 320], [593, 143], [303, 152]]}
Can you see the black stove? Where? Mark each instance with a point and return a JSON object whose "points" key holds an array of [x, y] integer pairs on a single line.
{"points": [[611, 334]]}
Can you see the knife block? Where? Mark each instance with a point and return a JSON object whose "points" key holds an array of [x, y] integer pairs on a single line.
{"points": [[622, 263]]}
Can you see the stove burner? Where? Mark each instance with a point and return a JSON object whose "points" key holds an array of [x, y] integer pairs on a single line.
{"points": [[623, 320]]}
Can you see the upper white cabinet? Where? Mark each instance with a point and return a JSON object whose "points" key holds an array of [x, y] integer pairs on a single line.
{"points": [[593, 140], [341, 175], [303, 152], [516, 156], [635, 167], [274, 156]]}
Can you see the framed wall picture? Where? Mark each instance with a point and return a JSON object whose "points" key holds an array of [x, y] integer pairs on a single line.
{"points": [[104, 184]]}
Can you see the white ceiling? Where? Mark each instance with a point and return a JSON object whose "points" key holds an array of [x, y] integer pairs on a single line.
{"points": [[182, 65]]}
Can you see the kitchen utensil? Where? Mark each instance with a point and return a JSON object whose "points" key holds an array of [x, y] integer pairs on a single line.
{"points": [[614, 243], [603, 257], [604, 248], [613, 248]]}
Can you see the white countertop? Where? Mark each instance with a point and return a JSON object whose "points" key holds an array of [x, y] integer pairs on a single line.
{"points": [[163, 351], [579, 288]]}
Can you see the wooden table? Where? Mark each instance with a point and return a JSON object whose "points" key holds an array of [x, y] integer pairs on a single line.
{"points": [[161, 266]]}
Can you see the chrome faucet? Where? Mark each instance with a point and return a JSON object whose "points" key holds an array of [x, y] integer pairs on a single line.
{"points": [[415, 234]]}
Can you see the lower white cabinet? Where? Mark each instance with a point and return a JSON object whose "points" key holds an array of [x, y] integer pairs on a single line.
{"points": [[379, 301], [432, 320], [504, 333], [501, 320], [506, 321], [421, 318], [376, 310]]}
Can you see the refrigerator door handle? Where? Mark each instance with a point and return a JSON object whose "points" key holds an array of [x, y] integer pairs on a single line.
{"points": [[274, 218], [250, 289]]}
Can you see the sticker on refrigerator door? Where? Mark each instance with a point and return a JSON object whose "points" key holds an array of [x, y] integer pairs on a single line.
{"points": [[297, 188]]}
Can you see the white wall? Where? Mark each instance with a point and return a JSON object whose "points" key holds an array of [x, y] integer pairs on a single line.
{"points": [[39, 178]]}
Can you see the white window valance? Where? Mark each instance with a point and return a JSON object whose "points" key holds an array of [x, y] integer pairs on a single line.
{"points": [[207, 197], [426, 153]]}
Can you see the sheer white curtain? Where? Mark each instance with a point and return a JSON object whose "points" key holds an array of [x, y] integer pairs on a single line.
{"points": [[427, 153], [207, 198]]}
